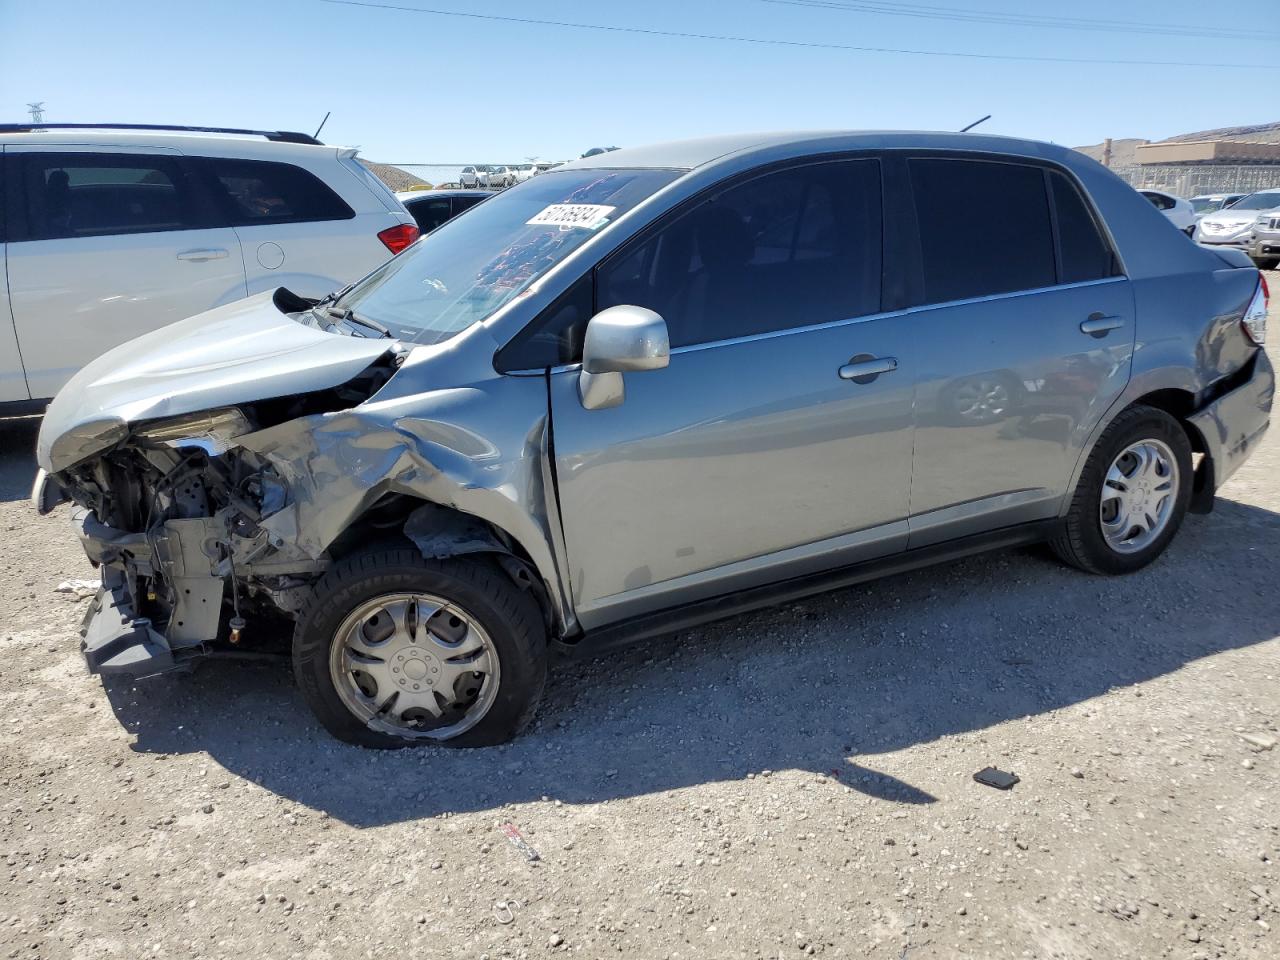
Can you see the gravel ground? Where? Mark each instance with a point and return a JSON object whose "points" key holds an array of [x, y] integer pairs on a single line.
{"points": [[788, 783]]}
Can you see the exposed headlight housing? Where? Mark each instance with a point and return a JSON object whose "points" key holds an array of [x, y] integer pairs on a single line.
{"points": [[213, 431]]}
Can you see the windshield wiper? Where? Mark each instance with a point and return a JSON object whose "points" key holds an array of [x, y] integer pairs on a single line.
{"points": [[350, 316], [335, 296]]}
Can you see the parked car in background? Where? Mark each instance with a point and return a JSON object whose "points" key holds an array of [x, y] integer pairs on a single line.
{"points": [[1245, 225], [500, 177], [524, 171], [1213, 202], [431, 208], [653, 388], [1266, 249], [110, 232], [544, 165], [474, 177], [1179, 211]]}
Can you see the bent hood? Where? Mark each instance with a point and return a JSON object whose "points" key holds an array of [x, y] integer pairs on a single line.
{"points": [[245, 351]]}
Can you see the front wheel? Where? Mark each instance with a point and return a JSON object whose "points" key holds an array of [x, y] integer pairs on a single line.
{"points": [[395, 650], [1132, 494]]}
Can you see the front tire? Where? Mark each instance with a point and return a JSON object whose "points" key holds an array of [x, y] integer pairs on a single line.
{"points": [[395, 650], [1131, 497]]}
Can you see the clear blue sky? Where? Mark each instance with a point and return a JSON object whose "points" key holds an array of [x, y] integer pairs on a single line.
{"points": [[412, 87]]}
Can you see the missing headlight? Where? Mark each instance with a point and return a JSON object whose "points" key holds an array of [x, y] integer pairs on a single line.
{"points": [[212, 430]]}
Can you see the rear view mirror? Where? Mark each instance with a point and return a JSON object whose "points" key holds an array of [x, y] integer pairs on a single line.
{"points": [[623, 339]]}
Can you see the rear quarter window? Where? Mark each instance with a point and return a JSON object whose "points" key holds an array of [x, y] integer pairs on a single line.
{"points": [[1085, 252], [256, 192]]}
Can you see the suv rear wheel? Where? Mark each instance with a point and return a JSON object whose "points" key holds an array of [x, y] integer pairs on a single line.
{"points": [[1132, 494], [395, 650]]}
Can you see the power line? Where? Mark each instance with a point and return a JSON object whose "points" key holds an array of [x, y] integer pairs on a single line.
{"points": [[930, 12], [812, 45]]}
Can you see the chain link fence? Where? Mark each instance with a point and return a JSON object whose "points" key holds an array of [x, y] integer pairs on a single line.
{"points": [[1191, 181]]}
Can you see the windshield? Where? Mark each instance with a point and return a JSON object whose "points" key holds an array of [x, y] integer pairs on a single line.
{"points": [[466, 269], [1258, 201], [1206, 204]]}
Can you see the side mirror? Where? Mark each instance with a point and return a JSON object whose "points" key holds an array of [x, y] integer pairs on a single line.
{"points": [[619, 340]]}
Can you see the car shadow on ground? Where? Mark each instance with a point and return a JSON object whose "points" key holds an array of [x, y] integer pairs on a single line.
{"points": [[822, 685], [17, 456]]}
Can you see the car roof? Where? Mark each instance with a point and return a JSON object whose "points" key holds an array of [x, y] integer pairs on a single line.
{"points": [[216, 144], [690, 154]]}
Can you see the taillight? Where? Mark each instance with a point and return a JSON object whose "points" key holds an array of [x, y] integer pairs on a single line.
{"points": [[1255, 318], [398, 237]]}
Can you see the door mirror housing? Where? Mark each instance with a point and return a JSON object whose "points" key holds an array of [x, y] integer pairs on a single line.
{"points": [[623, 339]]}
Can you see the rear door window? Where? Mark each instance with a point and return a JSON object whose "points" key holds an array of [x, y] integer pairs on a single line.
{"points": [[89, 194], [984, 228], [255, 192]]}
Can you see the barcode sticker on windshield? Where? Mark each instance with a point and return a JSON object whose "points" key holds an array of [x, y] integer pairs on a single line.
{"points": [[588, 216]]}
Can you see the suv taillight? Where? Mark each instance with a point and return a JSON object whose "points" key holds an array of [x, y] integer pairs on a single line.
{"points": [[398, 237], [1255, 318]]}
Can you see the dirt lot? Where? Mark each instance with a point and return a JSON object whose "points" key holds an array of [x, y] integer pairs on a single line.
{"points": [[788, 783]]}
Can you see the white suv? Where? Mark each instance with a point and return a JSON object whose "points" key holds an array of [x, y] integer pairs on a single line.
{"points": [[110, 232]]}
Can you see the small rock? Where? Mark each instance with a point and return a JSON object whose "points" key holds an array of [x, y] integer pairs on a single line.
{"points": [[1247, 763], [1260, 740], [207, 808], [1021, 844], [555, 940], [1077, 773]]}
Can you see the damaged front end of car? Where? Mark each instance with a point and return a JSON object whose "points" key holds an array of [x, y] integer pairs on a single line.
{"points": [[212, 516], [194, 533]]}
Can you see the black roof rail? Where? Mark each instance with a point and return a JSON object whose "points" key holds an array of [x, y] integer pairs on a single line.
{"points": [[280, 136]]}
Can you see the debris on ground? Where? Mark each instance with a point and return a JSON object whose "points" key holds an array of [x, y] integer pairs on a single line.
{"points": [[520, 843], [999, 779], [78, 589]]}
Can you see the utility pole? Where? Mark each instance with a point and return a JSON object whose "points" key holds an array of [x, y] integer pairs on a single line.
{"points": [[37, 111], [1106, 152]]}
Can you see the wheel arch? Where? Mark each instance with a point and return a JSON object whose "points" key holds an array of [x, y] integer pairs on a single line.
{"points": [[439, 532], [1179, 403]]}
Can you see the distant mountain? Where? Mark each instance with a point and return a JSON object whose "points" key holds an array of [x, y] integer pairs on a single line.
{"points": [[393, 177], [1124, 152]]}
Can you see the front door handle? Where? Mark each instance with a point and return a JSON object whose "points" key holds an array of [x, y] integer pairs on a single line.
{"points": [[1099, 325], [864, 367], [200, 256]]}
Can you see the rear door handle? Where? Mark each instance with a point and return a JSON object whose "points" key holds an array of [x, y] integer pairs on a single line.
{"points": [[199, 256], [1099, 325], [864, 367]]}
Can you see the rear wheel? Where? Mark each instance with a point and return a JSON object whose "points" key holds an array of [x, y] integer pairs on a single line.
{"points": [[1268, 263], [396, 650], [1132, 494]]}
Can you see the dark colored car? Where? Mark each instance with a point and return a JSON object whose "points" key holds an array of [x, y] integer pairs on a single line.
{"points": [[431, 208]]}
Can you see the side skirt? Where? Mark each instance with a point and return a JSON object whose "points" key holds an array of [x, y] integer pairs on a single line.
{"points": [[675, 619]]}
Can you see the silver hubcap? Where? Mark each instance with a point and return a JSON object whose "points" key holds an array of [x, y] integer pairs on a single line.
{"points": [[414, 665], [1138, 495]]}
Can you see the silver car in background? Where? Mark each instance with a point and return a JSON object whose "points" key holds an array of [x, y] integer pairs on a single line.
{"points": [[650, 388], [1238, 226]]}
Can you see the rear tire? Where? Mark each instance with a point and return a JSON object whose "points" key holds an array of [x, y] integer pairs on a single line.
{"points": [[486, 635], [1131, 497], [1268, 263]]}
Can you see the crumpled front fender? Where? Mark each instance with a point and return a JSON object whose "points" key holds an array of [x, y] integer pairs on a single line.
{"points": [[459, 448]]}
